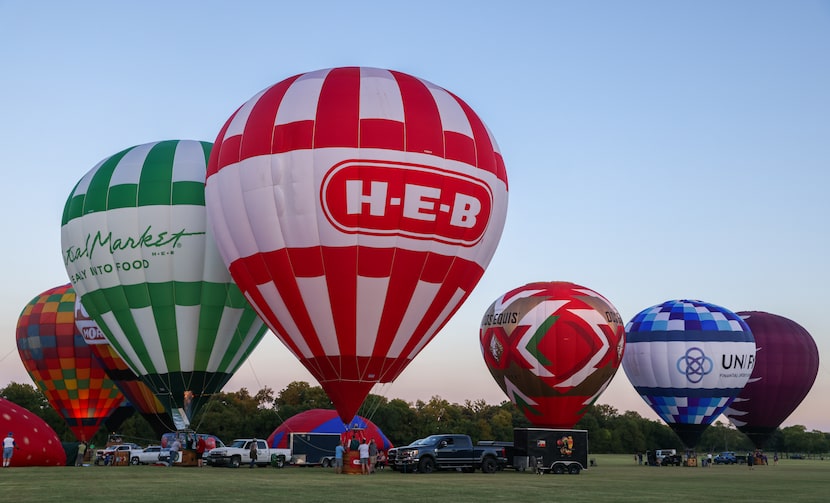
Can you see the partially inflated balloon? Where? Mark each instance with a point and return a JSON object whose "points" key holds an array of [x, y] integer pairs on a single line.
{"points": [[61, 363], [37, 443], [137, 248], [356, 208], [139, 395], [688, 360], [553, 348], [786, 365]]}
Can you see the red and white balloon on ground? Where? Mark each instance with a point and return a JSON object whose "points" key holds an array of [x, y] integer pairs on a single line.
{"points": [[553, 348], [356, 208]]}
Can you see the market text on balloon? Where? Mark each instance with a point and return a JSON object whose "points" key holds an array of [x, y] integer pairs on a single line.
{"points": [[146, 239]]}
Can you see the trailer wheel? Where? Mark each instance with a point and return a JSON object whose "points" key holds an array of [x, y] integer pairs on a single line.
{"points": [[326, 463], [574, 469], [558, 469]]}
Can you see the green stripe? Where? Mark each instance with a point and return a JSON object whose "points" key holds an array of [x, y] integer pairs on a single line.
{"points": [[97, 193], [156, 181], [74, 205], [248, 320], [213, 299], [189, 193]]}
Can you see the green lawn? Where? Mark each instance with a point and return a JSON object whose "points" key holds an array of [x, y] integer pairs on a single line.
{"points": [[615, 478]]}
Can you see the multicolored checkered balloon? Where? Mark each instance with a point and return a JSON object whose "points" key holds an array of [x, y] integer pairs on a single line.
{"points": [[688, 360], [62, 364]]}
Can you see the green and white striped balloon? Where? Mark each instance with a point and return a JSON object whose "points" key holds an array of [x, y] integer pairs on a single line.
{"points": [[139, 252]]}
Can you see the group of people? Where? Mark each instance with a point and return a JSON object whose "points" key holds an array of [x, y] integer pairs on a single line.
{"points": [[367, 454]]}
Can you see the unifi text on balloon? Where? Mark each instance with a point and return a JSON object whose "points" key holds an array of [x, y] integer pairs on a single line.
{"points": [[422, 202]]}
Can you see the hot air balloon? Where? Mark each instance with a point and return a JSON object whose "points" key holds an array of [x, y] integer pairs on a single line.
{"points": [[138, 394], [786, 365], [553, 348], [137, 248], [37, 442], [356, 208], [61, 364], [324, 421], [688, 360]]}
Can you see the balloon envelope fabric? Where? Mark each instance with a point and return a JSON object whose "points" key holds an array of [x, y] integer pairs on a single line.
{"points": [[62, 364], [325, 421], [37, 442], [786, 365], [137, 248], [688, 359]]}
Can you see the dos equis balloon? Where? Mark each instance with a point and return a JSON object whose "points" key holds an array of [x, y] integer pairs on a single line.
{"points": [[356, 208]]}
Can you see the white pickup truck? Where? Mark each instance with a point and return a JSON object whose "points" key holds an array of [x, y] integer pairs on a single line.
{"points": [[239, 453]]}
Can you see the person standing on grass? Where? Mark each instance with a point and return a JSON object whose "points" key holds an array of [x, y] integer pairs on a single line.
{"points": [[364, 457], [373, 455], [9, 445], [339, 453], [252, 453], [174, 450], [79, 459], [201, 447]]}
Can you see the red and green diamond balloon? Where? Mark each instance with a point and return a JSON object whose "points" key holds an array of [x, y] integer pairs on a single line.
{"points": [[553, 348]]}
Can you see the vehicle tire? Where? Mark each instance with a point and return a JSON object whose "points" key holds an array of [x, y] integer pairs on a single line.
{"points": [[134, 461], [574, 469], [326, 463], [235, 462], [426, 465], [558, 469], [489, 465]]}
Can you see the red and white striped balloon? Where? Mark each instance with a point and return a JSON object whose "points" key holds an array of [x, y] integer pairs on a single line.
{"points": [[356, 208]]}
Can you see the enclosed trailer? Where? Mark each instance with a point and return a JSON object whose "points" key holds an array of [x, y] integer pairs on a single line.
{"points": [[551, 450]]}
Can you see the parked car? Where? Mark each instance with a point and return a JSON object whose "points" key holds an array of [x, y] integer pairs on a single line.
{"points": [[148, 456], [725, 458], [108, 454]]}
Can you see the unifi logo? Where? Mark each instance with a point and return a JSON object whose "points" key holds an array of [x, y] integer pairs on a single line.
{"points": [[391, 198]]}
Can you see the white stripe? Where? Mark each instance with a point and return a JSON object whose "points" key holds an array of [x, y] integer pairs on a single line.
{"points": [[423, 295], [83, 185], [225, 333], [277, 306], [128, 170], [189, 163], [445, 313], [145, 322], [187, 332], [237, 124], [129, 355], [315, 294], [300, 100], [380, 96], [452, 115], [370, 295]]}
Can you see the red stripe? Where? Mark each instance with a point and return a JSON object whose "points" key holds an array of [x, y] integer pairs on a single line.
{"points": [[484, 147], [293, 136], [215, 163], [460, 147], [257, 134], [338, 108], [341, 280], [424, 131], [406, 270], [381, 133]]}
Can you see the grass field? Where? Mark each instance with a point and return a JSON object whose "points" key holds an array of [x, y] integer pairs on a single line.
{"points": [[616, 478]]}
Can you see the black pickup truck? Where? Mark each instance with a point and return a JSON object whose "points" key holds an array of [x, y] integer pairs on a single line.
{"points": [[447, 451]]}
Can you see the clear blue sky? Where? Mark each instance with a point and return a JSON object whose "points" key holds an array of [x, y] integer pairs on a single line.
{"points": [[655, 150]]}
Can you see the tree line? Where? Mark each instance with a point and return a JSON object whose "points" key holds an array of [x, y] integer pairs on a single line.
{"points": [[240, 414]]}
